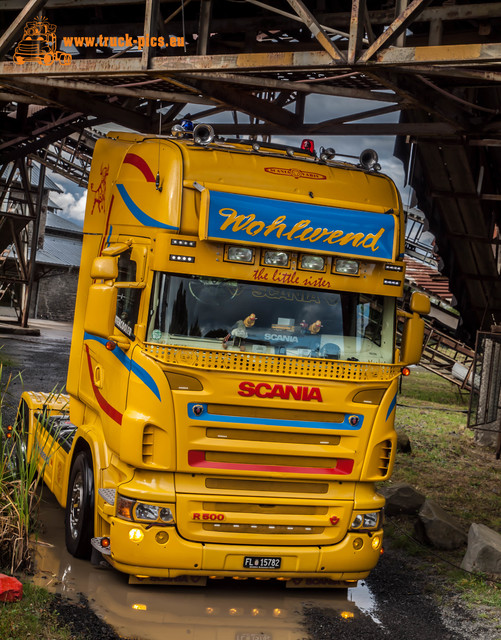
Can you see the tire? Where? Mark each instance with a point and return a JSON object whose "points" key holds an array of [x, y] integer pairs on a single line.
{"points": [[48, 59], [79, 517]]}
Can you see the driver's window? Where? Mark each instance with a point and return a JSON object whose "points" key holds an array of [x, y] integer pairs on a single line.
{"points": [[128, 298]]}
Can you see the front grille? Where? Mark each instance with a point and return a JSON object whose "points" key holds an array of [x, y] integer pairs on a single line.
{"points": [[267, 486], [266, 364], [260, 529]]}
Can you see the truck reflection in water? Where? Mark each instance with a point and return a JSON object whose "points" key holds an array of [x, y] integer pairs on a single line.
{"points": [[221, 610]]}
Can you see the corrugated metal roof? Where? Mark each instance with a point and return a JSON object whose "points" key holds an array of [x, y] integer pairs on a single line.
{"points": [[60, 251], [58, 222], [425, 277]]}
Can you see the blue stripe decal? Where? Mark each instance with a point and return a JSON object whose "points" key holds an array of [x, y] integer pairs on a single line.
{"points": [[276, 422], [140, 215], [393, 404], [141, 373], [109, 236]]}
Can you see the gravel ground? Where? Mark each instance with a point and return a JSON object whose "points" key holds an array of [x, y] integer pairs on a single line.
{"points": [[405, 609], [81, 620]]}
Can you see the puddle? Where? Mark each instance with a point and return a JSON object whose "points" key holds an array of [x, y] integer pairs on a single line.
{"points": [[223, 609]]}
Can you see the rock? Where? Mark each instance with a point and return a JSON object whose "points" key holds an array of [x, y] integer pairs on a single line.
{"points": [[11, 590], [484, 550], [438, 528], [403, 443], [402, 498]]}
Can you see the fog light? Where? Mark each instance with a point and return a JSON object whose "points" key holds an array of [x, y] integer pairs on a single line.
{"points": [[240, 254], [315, 263], [347, 267], [376, 542], [162, 537], [358, 543], [276, 258], [140, 607], [136, 535]]}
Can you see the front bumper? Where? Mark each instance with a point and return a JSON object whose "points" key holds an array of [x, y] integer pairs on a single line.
{"points": [[176, 556]]}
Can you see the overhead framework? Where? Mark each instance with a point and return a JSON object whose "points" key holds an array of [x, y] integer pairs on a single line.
{"points": [[424, 71]]}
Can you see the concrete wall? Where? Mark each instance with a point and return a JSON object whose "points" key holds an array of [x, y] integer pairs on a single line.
{"points": [[55, 298]]}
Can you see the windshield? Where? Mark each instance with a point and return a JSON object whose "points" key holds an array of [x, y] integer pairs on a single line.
{"points": [[214, 313]]}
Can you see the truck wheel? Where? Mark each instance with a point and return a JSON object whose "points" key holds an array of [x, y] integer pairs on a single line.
{"points": [[48, 59], [79, 518]]}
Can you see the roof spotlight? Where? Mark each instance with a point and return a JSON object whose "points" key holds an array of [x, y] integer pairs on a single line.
{"points": [[368, 159], [177, 131], [327, 154]]}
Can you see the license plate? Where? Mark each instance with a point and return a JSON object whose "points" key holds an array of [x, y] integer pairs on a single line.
{"points": [[260, 562]]}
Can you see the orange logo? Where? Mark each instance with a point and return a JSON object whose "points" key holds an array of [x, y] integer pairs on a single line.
{"points": [[100, 190], [39, 43], [295, 173]]}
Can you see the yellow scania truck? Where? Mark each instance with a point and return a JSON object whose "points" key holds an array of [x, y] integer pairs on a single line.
{"points": [[233, 371]]}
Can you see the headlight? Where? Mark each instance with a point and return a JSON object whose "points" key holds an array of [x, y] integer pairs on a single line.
{"points": [[313, 263], [240, 254], [347, 267], [146, 512], [276, 258], [366, 520], [134, 510]]}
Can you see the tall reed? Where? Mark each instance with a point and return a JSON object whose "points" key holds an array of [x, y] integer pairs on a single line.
{"points": [[19, 483]]}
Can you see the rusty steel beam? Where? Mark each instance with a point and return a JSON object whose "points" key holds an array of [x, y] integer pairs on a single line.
{"points": [[397, 27], [76, 101], [304, 87], [11, 34], [358, 8], [317, 128], [480, 53], [316, 29], [139, 92]]}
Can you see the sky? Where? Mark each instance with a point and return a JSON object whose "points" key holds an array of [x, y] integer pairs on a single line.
{"points": [[318, 109]]}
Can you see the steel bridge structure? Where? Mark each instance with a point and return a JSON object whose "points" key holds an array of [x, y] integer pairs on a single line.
{"points": [[427, 72]]}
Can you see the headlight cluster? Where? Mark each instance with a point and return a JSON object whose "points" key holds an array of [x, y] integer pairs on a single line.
{"points": [[366, 521], [136, 511]]}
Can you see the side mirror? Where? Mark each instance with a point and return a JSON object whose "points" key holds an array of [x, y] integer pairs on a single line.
{"points": [[100, 311], [413, 333], [102, 298], [104, 268], [420, 303]]}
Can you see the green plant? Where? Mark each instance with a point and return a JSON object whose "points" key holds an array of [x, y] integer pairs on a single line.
{"points": [[20, 477], [28, 618]]}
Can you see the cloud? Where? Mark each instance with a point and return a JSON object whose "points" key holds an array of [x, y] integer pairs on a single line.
{"points": [[72, 205]]}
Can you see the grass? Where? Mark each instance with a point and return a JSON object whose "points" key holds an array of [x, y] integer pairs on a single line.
{"points": [[449, 468], [28, 618]]}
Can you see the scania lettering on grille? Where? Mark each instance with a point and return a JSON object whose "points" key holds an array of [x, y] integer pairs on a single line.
{"points": [[284, 392], [207, 516]]}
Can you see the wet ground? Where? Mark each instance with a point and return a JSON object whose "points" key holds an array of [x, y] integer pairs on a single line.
{"points": [[393, 603]]}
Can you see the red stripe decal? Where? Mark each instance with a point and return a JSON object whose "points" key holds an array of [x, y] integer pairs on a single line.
{"points": [[197, 459], [104, 404], [140, 163], [105, 234]]}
